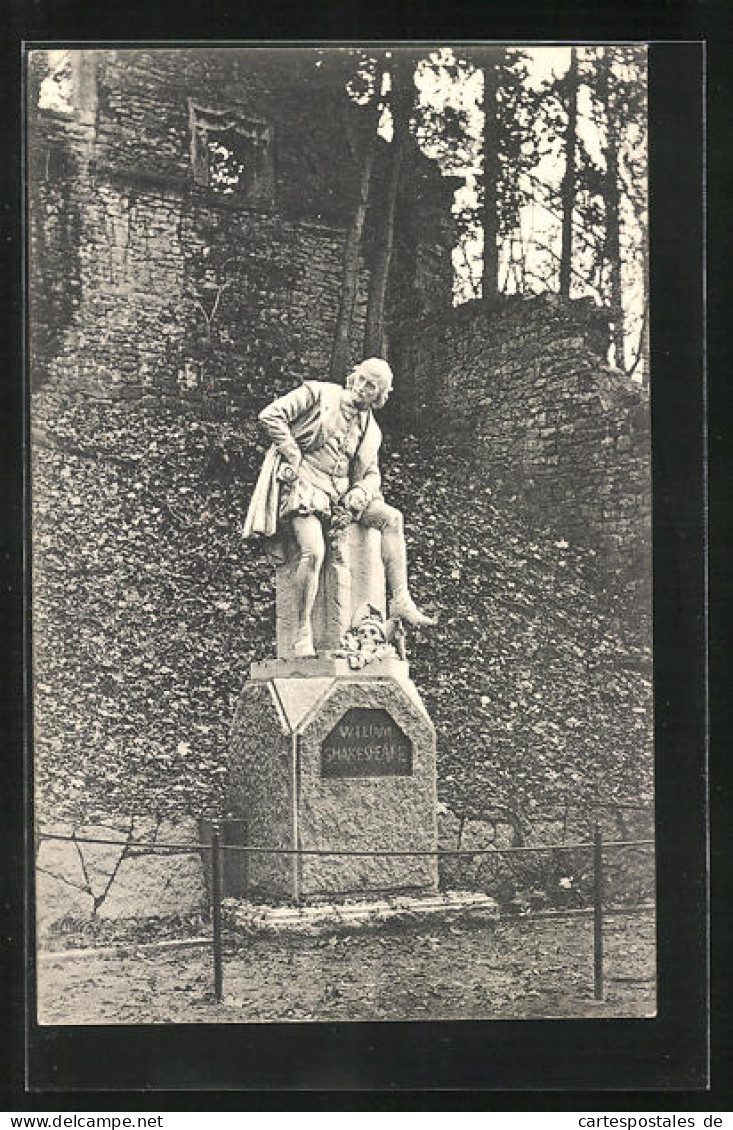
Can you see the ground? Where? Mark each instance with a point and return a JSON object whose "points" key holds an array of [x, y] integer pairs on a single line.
{"points": [[516, 968]]}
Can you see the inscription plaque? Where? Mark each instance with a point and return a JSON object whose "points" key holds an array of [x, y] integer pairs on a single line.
{"points": [[366, 743]]}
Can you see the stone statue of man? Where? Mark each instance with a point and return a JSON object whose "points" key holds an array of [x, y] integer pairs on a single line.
{"points": [[324, 456]]}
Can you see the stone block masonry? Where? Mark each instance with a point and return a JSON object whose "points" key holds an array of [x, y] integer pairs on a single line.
{"points": [[109, 869], [129, 245], [142, 118], [554, 429], [140, 264]]}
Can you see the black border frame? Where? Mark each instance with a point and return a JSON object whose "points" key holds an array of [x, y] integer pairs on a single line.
{"points": [[604, 1057]]}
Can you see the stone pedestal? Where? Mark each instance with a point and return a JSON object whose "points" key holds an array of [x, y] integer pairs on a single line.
{"points": [[349, 578], [323, 758]]}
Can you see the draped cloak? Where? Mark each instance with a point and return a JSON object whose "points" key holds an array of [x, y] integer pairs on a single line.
{"points": [[311, 421]]}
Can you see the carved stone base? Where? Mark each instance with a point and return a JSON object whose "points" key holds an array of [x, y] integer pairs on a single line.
{"points": [[446, 908], [335, 762], [330, 666]]}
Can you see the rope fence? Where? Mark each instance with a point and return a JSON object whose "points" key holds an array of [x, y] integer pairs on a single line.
{"points": [[216, 849], [182, 849]]}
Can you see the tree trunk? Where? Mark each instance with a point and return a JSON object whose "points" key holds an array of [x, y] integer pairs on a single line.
{"points": [[612, 201], [613, 243], [400, 102], [491, 170], [352, 240], [567, 192]]}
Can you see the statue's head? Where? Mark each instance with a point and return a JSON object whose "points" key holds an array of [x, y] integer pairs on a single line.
{"points": [[371, 382]]}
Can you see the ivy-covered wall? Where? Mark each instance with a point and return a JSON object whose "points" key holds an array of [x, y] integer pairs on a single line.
{"points": [[149, 608]]}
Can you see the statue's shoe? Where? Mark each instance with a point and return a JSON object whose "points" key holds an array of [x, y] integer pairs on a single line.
{"points": [[303, 648], [405, 608]]}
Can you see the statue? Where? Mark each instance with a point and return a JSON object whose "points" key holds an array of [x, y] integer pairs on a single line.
{"points": [[322, 472], [371, 638]]}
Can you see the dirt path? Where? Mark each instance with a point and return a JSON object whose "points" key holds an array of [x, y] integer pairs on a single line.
{"points": [[539, 967]]}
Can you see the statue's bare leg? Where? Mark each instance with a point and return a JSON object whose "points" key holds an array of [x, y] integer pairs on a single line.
{"points": [[308, 533], [389, 521]]}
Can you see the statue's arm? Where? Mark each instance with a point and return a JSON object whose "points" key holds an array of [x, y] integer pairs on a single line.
{"points": [[370, 482], [369, 479], [277, 417]]}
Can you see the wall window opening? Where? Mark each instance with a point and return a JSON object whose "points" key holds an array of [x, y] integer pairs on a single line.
{"points": [[231, 154]]}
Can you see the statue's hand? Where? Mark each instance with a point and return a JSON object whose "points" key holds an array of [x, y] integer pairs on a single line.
{"points": [[286, 473], [290, 460], [355, 500]]}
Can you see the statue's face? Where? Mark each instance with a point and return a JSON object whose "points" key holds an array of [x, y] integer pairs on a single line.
{"points": [[368, 389], [370, 636]]}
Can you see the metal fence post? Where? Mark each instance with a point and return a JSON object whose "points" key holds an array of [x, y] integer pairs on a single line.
{"points": [[216, 910], [598, 913]]}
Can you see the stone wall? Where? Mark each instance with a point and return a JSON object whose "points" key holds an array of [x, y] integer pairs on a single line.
{"points": [[128, 244], [136, 106], [128, 247], [99, 871], [119, 269], [83, 885], [553, 426]]}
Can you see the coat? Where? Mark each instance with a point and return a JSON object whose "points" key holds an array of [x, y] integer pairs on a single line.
{"points": [[305, 416]]}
